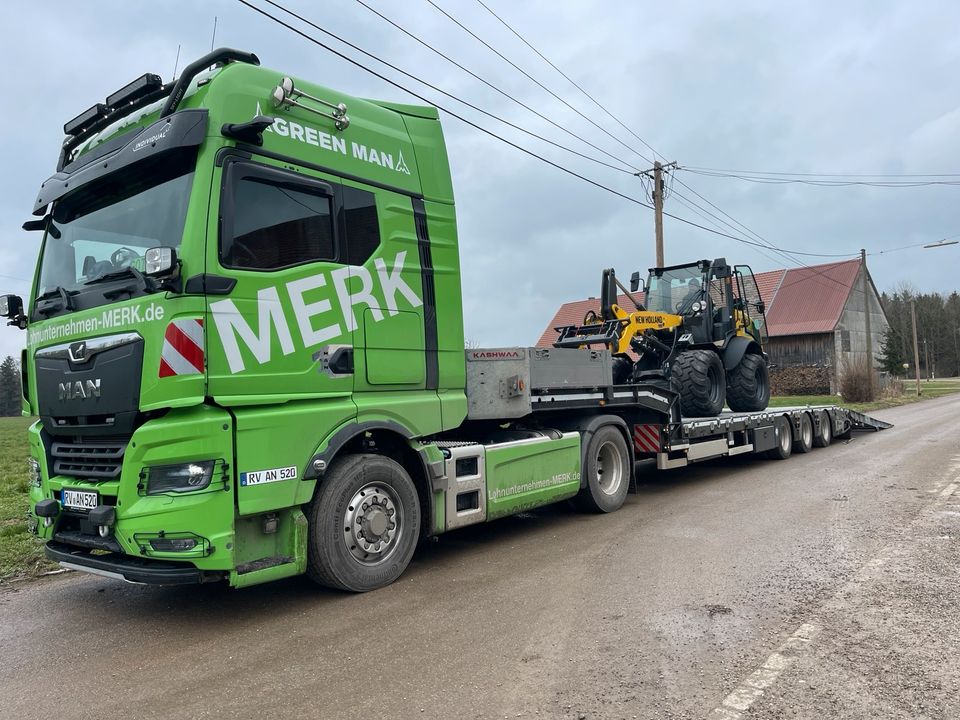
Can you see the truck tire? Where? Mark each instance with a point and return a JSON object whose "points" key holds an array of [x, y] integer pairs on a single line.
{"points": [[804, 443], [607, 467], [824, 434], [697, 375], [784, 447], [748, 384], [364, 524]]}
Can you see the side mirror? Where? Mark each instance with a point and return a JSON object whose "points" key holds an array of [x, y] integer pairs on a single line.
{"points": [[636, 283], [159, 261], [761, 308], [11, 307]]}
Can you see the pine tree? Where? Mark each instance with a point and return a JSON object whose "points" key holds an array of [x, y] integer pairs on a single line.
{"points": [[9, 388], [891, 352]]}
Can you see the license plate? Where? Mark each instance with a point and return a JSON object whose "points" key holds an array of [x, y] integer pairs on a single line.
{"points": [[79, 499]]}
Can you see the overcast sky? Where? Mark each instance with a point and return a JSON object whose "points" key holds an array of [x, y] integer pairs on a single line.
{"points": [[815, 87]]}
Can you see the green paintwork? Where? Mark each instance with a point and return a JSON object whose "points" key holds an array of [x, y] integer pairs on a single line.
{"points": [[525, 476], [262, 401]]}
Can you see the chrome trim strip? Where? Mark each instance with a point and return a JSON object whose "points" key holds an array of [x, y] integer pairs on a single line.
{"points": [[92, 346]]}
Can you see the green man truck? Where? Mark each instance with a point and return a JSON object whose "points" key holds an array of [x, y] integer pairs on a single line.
{"points": [[245, 349]]}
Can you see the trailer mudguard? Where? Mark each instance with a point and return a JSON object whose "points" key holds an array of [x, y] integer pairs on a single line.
{"points": [[736, 349]]}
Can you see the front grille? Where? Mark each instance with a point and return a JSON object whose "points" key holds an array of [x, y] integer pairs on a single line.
{"points": [[100, 460]]}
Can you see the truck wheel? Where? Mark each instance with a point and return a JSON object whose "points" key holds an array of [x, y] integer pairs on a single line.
{"points": [[608, 469], [824, 434], [804, 442], [784, 446], [748, 385], [364, 524], [697, 375]]}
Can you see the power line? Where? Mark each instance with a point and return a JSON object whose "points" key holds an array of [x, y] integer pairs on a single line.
{"points": [[454, 97], [533, 79], [466, 121], [469, 72], [569, 79], [824, 183], [838, 175], [452, 114]]}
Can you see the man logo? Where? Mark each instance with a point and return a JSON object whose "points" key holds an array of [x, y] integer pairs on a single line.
{"points": [[79, 390], [78, 351]]}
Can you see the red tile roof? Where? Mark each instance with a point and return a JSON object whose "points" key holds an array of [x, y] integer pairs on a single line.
{"points": [[799, 301]]}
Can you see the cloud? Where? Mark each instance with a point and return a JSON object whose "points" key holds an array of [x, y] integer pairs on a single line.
{"points": [[814, 87]]}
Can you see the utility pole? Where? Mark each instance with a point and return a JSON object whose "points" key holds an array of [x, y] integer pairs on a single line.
{"points": [[658, 209], [866, 316], [916, 347], [926, 358], [658, 197], [956, 342]]}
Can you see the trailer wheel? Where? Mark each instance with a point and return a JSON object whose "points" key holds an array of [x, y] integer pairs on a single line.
{"points": [[748, 384], [824, 435], [784, 446], [364, 524], [607, 467], [698, 377], [804, 442]]}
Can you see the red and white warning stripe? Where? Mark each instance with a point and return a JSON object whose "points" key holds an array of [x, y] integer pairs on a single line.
{"points": [[646, 438], [182, 352]]}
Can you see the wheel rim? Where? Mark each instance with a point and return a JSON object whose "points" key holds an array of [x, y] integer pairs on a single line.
{"points": [[609, 468], [807, 432], [826, 430], [783, 432], [372, 523]]}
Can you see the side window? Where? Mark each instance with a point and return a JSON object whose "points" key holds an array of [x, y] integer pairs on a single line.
{"points": [[273, 219], [362, 224]]}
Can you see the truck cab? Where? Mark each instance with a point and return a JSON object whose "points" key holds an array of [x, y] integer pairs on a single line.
{"points": [[241, 273]]}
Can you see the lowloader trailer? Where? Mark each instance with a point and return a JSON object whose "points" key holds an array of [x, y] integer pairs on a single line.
{"points": [[245, 348]]}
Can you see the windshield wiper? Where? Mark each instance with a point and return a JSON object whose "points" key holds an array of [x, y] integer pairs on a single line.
{"points": [[54, 300], [145, 283]]}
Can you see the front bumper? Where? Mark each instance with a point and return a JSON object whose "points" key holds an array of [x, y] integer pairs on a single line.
{"points": [[144, 571]]}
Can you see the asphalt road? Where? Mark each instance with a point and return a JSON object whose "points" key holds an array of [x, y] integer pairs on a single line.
{"points": [[823, 586]]}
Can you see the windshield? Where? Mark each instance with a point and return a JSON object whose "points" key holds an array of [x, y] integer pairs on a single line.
{"points": [[675, 290], [109, 225]]}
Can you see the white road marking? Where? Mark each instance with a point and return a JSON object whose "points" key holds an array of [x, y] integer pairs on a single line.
{"points": [[753, 686], [744, 695]]}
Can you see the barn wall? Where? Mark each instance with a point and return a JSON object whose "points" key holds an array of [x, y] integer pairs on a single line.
{"points": [[850, 336], [793, 350]]}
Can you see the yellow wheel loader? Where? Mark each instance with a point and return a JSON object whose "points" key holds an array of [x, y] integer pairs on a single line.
{"points": [[700, 328]]}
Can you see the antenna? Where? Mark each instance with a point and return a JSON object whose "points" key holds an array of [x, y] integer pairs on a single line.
{"points": [[213, 38], [176, 63]]}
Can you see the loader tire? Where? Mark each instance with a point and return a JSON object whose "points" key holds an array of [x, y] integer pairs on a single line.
{"points": [[697, 375], [748, 385]]}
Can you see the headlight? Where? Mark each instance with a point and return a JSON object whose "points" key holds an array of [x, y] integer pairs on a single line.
{"points": [[185, 477], [33, 472], [697, 306]]}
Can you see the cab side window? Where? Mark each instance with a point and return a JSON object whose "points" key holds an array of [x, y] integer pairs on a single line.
{"points": [[273, 219], [361, 223]]}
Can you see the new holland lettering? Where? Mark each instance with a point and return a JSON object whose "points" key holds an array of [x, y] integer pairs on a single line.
{"points": [[324, 308]]}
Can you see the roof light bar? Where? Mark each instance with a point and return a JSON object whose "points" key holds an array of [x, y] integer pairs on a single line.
{"points": [[84, 119], [143, 85]]}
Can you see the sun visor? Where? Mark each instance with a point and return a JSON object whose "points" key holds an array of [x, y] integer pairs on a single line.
{"points": [[183, 129]]}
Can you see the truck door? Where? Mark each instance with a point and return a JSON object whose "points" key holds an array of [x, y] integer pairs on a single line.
{"points": [[280, 350]]}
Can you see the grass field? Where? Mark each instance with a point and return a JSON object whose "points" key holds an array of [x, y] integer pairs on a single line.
{"points": [[21, 554], [929, 388]]}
